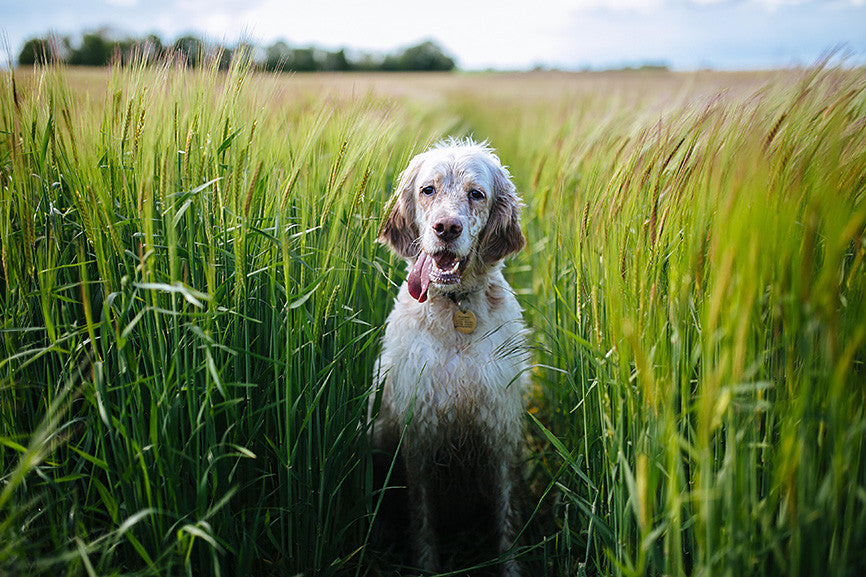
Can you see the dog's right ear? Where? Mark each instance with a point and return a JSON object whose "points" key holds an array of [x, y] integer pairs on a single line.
{"points": [[501, 235], [400, 231]]}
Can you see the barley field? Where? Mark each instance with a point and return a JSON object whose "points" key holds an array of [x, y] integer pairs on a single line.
{"points": [[192, 299]]}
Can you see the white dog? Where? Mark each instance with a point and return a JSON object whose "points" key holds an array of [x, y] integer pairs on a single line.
{"points": [[454, 358]]}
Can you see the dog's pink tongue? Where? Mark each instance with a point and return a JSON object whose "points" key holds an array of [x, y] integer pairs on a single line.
{"points": [[419, 277]]}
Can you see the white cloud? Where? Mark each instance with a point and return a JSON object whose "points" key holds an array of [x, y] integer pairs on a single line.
{"points": [[776, 4], [481, 33], [641, 6], [647, 6], [487, 33]]}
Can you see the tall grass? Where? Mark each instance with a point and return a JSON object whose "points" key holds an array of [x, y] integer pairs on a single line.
{"points": [[699, 287], [192, 301], [187, 272]]}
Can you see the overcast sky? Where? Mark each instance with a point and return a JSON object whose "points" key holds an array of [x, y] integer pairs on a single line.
{"points": [[684, 34]]}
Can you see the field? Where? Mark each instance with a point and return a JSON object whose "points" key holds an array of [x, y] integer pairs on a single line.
{"points": [[192, 299]]}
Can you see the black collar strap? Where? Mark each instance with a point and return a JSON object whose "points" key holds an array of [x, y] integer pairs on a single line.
{"points": [[461, 300]]}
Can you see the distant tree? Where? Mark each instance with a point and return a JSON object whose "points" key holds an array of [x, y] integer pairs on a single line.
{"points": [[367, 62], [336, 62], [95, 50], [303, 60], [242, 50], [99, 48], [190, 49], [224, 57], [36, 50], [277, 56], [427, 56], [124, 50], [151, 48]]}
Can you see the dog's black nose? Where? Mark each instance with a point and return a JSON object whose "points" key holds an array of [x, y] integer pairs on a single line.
{"points": [[448, 229]]}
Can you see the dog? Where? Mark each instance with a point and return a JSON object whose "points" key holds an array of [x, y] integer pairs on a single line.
{"points": [[451, 376]]}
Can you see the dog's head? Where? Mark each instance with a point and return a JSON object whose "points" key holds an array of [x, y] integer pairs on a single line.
{"points": [[456, 214]]}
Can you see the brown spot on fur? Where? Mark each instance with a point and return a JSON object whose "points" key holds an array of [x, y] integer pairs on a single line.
{"points": [[502, 235], [495, 296], [399, 230]]}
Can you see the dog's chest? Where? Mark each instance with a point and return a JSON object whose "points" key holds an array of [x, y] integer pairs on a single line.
{"points": [[445, 374]]}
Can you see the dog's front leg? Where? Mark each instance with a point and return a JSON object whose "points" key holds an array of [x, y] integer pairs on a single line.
{"points": [[424, 539], [509, 518]]}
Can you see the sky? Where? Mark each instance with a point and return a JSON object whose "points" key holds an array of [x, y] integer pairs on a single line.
{"points": [[480, 34]]}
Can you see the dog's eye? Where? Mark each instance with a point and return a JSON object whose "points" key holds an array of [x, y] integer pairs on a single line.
{"points": [[476, 194], [428, 190]]}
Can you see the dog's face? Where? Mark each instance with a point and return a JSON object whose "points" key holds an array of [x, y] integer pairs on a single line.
{"points": [[456, 214]]}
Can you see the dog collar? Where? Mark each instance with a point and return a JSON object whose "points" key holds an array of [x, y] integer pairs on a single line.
{"points": [[463, 319]]}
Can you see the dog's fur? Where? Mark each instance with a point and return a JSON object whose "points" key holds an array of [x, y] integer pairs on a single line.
{"points": [[458, 396]]}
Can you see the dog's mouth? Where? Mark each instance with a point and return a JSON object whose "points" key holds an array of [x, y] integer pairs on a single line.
{"points": [[442, 268]]}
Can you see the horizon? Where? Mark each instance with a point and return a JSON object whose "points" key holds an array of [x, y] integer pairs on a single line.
{"points": [[562, 35]]}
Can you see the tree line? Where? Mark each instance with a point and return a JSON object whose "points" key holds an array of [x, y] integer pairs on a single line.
{"points": [[99, 48]]}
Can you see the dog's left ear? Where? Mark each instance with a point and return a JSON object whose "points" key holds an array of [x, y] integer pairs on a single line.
{"points": [[400, 231], [502, 235]]}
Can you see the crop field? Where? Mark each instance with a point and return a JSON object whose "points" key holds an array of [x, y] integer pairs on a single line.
{"points": [[192, 300]]}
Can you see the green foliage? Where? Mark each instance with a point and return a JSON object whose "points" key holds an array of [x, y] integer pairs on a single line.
{"points": [[191, 49], [191, 301], [100, 48], [35, 51], [93, 51], [426, 56]]}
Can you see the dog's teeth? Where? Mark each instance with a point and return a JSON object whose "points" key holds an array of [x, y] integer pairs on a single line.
{"points": [[453, 268]]}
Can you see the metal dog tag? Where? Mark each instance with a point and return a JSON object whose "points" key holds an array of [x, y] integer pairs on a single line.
{"points": [[464, 321]]}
